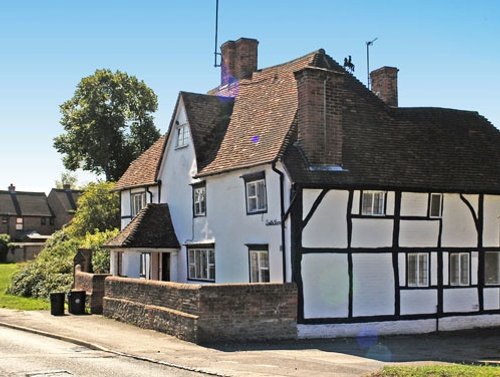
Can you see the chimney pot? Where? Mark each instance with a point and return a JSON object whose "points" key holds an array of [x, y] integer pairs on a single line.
{"points": [[66, 186], [239, 60], [385, 84], [12, 188]]}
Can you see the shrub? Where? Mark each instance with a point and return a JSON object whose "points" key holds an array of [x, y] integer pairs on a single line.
{"points": [[4, 247]]}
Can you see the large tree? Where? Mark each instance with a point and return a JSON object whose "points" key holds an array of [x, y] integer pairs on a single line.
{"points": [[108, 123]]}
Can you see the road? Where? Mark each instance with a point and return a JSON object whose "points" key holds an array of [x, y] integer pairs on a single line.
{"points": [[30, 355]]}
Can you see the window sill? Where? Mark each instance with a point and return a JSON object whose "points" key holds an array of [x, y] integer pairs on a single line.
{"points": [[257, 212]]}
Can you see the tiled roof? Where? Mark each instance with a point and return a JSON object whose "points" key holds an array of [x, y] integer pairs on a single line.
{"points": [[151, 228], [67, 197], [23, 203], [143, 170], [264, 108], [208, 117]]}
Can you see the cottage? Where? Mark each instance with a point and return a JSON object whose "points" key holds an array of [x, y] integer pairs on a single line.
{"points": [[298, 173], [63, 202]]}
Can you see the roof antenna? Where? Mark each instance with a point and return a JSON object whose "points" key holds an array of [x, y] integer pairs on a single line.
{"points": [[216, 53], [368, 44]]}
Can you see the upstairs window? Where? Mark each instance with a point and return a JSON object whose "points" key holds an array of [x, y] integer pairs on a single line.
{"points": [[19, 223], [256, 197], [459, 269], [199, 200], [259, 264], [137, 202], [201, 264], [418, 269], [373, 203], [436, 205], [182, 135]]}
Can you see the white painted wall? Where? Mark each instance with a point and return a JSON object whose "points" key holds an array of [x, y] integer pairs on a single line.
{"points": [[460, 300], [491, 229], [418, 233], [491, 298], [373, 284], [328, 226], [418, 301], [414, 204], [458, 224], [125, 209], [372, 232], [326, 285]]}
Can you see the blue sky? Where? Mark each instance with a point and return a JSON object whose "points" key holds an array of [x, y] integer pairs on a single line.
{"points": [[448, 54]]}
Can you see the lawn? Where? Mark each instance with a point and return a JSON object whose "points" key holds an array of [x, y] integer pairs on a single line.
{"points": [[16, 302], [439, 371]]}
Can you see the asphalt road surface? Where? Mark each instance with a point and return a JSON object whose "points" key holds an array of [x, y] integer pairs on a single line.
{"points": [[31, 355]]}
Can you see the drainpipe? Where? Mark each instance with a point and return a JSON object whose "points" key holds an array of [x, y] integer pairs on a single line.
{"points": [[158, 181], [282, 216], [150, 194]]}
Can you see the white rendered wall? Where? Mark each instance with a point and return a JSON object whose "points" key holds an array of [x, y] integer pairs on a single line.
{"points": [[459, 229], [468, 322], [491, 229], [491, 298], [372, 232], [328, 226], [414, 204], [326, 285], [460, 300], [373, 284], [418, 301], [418, 233]]}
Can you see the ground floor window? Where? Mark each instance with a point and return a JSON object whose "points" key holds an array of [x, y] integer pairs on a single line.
{"points": [[459, 269], [418, 269], [145, 267], [492, 268], [259, 265], [201, 264]]}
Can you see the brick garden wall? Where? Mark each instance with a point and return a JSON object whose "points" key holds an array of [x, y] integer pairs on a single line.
{"points": [[93, 285], [205, 313]]}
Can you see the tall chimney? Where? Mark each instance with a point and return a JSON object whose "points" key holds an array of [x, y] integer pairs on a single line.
{"points": [[385, 84], [239, 60], [12, 188], [320, 115]]}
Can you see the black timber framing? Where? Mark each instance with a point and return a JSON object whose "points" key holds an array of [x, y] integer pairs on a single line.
{"points": [[299, 223]]}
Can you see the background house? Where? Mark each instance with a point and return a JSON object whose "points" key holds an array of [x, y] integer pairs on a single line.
{"points": [[63, 203]]}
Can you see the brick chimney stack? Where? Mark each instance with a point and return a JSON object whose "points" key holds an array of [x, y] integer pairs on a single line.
{"points": [[320, 115], [12, 188], [385, 84], [239, 60]]}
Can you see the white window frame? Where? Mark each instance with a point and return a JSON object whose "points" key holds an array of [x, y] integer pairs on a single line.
{"points": [[373, 209], [259, 200], [199, 201], [137, 202], [145, 266], [201, 264], [260, 269], [462, 268], [19, 223], [181, 135], [489, 265], [421, 267], [440, 201]]}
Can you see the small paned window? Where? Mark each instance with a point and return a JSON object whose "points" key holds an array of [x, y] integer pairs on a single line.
{"points": [[19, 223], [256, 196], [459, 269], [51, 221], [492, 268], [373, 203], [43, 221], [145, 267], [418, 270], [259, 266], [182, 133], [137, 202], [199, 200], [436, 205], [201, 264]]}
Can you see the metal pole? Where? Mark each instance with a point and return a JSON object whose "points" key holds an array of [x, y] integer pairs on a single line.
{"points": [[216, 31], [368, 44]]}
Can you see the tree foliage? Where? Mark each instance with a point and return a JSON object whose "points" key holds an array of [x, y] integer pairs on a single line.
{"points": [[107, 123], [67, 178], [4, 246], [98, 210]]}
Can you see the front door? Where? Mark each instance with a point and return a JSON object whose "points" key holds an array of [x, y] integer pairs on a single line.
{"points": [[165, 266]]}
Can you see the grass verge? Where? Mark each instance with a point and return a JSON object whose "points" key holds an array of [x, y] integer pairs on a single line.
{"points": [[439, 371], [16, 302]]}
